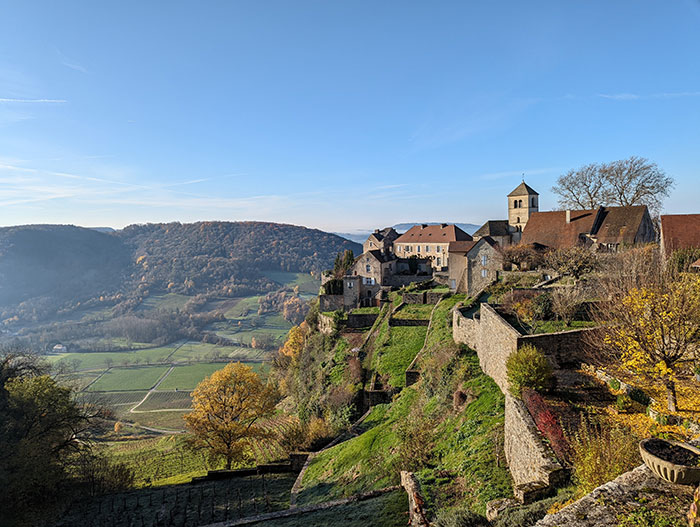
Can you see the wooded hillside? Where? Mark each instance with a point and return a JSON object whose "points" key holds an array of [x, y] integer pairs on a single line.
{"points": [[45, 268]]}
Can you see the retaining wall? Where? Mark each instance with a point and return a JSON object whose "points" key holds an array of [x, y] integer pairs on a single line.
{"points": [[497, 339], [361, 320], [533, 466], [565, 348], [465, 330], [326, 324], [330, 302], [408, 322]]}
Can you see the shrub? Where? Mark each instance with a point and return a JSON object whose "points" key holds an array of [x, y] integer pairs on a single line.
{"points": [[528, 368], [623, 403], [638, 395], [459, 517], [528, 515], [547, 423], [601, 453], [415, 436], [614, 384]]}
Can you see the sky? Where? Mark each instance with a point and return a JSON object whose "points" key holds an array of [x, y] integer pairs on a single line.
{"points": [[339, 115]]}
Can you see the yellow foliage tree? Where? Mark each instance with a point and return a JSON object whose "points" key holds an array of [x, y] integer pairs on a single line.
{"points": [[294, 343], [656, 327], [227, 410]]}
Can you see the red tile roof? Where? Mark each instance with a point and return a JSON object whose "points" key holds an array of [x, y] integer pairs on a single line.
{"points": [[680, 231], [608, 225], [551, 229], [433, 234]]}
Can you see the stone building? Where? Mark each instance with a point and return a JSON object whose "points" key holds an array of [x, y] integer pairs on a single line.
{"points": [[523, 201], [473, 265], [382, 240], [429, 242], [604, 229], [679, 231]]}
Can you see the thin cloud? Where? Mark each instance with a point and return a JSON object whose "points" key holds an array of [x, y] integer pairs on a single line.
{"points": [[32, 101], [637, 97], [70, 63]]}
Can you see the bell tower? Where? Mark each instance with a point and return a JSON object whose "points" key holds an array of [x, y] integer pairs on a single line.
{"points": [[522, 202]]}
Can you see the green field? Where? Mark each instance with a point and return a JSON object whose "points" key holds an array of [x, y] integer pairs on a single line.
{"points": [[415, 312], [132, 378], [115, 399], [246, 307], [166, 401], [167, 302], [402, 346], [188, 377], [98, 360]]}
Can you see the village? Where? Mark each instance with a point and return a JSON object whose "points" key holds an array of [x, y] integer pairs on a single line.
{"points": [[468, 263]]}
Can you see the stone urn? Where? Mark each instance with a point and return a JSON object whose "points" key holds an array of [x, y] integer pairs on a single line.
{"points": [[672, 461]]}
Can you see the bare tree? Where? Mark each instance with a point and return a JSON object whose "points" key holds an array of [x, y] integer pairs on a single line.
{"points": [[637, 181], [566, 302], [631, 181], [582, 188]]}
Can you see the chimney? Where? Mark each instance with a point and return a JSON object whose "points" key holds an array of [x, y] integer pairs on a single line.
{"points": [[376, 231], [568, 216], [443, 225], [424, 225]]}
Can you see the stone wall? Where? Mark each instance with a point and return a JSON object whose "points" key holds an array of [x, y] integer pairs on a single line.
{"points": [[464, 330], [393, 322], [361, 320], [497, 339], [326, 324], [330, 302], [533, 465], [422, 297], [565, 348], [400, 280]]}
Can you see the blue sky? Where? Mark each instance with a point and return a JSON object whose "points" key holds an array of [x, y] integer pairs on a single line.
{"points": [[340, 115]]}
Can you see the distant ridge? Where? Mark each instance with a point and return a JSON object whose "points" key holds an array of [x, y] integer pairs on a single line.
{"points": [[361, 236]]}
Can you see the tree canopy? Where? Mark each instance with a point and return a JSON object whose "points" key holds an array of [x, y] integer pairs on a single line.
{"points": [[631, 181], [228, 408]]}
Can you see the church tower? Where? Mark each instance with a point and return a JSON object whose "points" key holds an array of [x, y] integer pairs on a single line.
{"points": [[522, 202]]}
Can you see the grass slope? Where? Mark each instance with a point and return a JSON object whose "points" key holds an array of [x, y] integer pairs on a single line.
{"points": [[132, 378]]}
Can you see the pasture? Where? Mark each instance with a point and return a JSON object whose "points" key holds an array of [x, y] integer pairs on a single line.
{"points": [[307, 284], [131, 378]]}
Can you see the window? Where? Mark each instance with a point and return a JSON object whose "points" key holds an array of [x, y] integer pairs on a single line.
{"points": [[427, 248], [438, 262], [517, 220], [520, 203], [349, 285], [484, 273], [484, 259], [515, 203], [368, 268], [418, 248], [453, 285], [533, 202], [437, 249]]}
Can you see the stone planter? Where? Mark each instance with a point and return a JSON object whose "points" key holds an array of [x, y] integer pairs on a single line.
{"points": [[667, 470]]}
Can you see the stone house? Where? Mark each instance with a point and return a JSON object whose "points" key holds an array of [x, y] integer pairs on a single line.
{"points": [[679, 231], [473, 265], [523, 201], [382, 240], [430, 242], [605, 229]]}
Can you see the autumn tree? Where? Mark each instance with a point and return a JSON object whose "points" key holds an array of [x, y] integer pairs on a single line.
{"points": [[631, 181], [294, 343], [654, 328], [228, 408]]}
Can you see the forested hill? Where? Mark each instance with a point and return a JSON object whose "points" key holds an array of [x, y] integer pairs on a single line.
{"points": [[55, 262], [47, 268], [217, 254]]}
